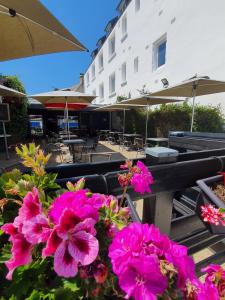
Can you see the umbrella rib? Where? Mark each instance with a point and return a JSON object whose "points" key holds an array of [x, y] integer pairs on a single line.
{"points": [[46, 28], [29, 35]]}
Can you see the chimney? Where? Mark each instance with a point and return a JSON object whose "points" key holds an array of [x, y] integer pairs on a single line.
{"points": [[81, 82], [82, 78]]}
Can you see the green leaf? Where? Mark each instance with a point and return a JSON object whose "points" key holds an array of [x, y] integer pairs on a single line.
{"points": [[72, 286], [5, 253], [222, 210]]}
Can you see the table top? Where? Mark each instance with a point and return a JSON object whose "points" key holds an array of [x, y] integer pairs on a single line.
{"points": [[131, 134], [73, 142], [7, 135], [72, 136], [115, 132], [158, 139]]}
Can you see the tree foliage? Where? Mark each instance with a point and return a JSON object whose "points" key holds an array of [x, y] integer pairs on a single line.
{"points": [[175, 117], [17, 127]]}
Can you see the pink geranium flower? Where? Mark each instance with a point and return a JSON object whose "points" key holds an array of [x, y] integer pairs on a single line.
{"points": [[21, 249], [77, 201], [184, 264], [36, 230], [216, 275], [31, 208], [21, 246], [196, 290], [73, 243], [212, 215], [142, 179], [143, 279]]}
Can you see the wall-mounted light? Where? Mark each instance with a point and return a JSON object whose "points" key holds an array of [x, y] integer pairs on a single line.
{"points": [[165, 82]]}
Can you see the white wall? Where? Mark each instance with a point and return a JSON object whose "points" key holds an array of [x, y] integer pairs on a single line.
{"points": [[195, 44]]}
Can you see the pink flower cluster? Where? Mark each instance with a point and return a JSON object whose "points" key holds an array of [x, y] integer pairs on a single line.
{"points": [[68, 232], [212, 215], [212, 288], [145, 261], [138, 176], [30, 227]]}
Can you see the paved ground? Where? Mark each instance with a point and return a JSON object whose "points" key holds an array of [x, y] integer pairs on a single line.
{"points": [[118, 153]]}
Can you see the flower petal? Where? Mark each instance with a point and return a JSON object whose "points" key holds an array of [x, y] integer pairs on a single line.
{"points": [[36, 230], [52, 243], [83, 247], [64, 264], [21, 254]]}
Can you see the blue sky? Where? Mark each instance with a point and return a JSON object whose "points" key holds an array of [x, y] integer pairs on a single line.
{"points": [[86, 19]]}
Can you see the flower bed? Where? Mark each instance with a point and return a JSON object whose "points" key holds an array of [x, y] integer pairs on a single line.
{"points": [[75, 244]]}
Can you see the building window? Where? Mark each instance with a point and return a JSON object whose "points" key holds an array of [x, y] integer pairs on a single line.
{"points": [[93, 71], [124, 73], [101, 91], [136, 64], [94, 92], [137, 5], [100, 61], [159, 53], [88, 79], [112, 45], [124, 26], [112, 84]]}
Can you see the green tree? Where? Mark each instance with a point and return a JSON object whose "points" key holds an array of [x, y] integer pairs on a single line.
{"points": [[17, 127]]}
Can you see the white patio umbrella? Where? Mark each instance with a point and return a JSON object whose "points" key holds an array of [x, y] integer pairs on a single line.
{"points": [[65, 97], [8, 92], [197, 86], [28, 28], [148, 101]]}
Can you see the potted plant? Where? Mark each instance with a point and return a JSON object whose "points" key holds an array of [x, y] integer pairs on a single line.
{"points": [[75, 244], [210, 201]]}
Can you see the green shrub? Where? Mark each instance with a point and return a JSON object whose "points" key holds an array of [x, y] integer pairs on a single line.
{"points": [[18, 109]]}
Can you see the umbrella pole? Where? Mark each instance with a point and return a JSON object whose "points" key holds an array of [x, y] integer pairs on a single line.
{"points": [[193, 108], [67, 118], [110, 121], [5, 136], [146, 125], [124, 120]]}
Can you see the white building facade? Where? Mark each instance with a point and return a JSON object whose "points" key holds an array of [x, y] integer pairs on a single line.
{"points": [[155, 39]]}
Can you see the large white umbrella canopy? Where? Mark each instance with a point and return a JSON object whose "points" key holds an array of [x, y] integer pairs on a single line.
{"points": [[60, 96], [197, 86], [8, 92], [66, 97], [28, 29], [147, 101]]}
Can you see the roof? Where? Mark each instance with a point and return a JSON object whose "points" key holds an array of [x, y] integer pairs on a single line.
{"points": [[94, 53], [110, 25], [122, 5], [101, 41]]}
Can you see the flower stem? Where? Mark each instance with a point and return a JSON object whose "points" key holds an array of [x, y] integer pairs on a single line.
{"points": [[123, 196]]}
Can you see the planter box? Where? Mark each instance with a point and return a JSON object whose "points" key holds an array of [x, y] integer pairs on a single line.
{"points": [[207, 197]]}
